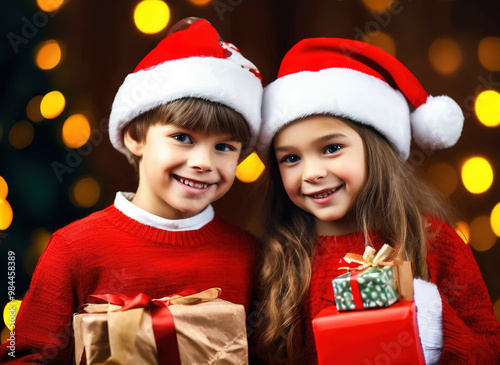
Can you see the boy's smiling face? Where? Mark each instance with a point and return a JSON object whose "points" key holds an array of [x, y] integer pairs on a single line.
{"points": [[181, 171]]}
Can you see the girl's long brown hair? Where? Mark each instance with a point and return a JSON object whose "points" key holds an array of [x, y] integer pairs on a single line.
{"points": [[394, 202]]}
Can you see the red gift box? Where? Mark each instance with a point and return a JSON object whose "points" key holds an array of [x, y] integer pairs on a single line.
{"points": [[369, 337]]}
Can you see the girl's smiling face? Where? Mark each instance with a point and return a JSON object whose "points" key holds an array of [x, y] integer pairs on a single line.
{"points": [[322, 164]]}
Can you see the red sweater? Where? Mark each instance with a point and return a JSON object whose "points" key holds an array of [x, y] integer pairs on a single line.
{"points": [[108, 252], [471, 332]]}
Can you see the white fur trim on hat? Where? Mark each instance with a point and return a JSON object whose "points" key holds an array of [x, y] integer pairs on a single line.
{"points": [[341, 92], [210, 78], [438, 123]]}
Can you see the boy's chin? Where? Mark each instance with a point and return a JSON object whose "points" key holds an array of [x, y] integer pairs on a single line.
{"points": [[190, 211]]}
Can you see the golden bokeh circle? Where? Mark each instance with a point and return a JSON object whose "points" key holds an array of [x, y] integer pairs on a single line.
{"points": [[33, 109], [381, 40], [488, 53], [378, 5], [86, 192], [52, 104], [76, 131], [48, 54], [6, 214], [496, 308], [463, 231], [49, 5], [487, 108], [200, 2], [4, 188], [151, 16], [250, 168], [21, 134], [477, 175], [482, 237], [444, 177], [445, 55], [495, 219]]}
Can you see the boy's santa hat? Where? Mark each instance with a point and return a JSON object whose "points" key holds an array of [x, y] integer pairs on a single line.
{"points": [[191, 62], [360, 82]]}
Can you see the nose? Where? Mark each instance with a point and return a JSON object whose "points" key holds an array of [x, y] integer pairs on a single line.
{"points": [[313, 171], [200, 159]]}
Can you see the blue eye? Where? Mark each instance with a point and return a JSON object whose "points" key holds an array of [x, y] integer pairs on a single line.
{"points": [[183, 138], [331, 149], [223, 147], [290, 159]]}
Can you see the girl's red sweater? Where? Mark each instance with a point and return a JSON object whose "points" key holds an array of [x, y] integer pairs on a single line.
{"points": [[471, 332]]}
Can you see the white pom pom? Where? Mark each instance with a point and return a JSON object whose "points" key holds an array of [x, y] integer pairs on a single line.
{"points": [[438, 123]]}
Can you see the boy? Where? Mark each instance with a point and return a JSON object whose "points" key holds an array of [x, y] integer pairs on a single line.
{"points": [[184, 119]]}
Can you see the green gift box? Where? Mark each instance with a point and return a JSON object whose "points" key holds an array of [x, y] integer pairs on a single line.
{"points": [[367, 288]]}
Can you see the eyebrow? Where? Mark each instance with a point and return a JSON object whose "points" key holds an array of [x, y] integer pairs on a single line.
{"points": [[331, 136], [321, 139]]}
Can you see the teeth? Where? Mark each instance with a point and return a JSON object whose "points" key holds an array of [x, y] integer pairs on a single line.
{"points": [[324, 194], [193, 184]]}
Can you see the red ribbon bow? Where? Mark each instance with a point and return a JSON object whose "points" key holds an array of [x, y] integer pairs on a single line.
{"points": [[163, 320]]}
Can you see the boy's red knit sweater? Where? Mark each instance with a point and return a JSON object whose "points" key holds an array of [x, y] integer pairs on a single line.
{"points": [[108, 252], [471, 332]]}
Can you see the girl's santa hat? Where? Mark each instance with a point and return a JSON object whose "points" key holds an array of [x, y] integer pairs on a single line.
{"points": [[190, 62], [360, 82]]}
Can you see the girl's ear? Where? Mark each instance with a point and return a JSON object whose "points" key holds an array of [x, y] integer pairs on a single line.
{"points": [[133, 145]]}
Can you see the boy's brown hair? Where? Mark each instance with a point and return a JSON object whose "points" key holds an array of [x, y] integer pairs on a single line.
{"points": [[196, 114]]}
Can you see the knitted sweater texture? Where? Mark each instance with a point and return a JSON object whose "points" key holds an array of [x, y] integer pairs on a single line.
{"points": [[471, 332], [108, 252]]}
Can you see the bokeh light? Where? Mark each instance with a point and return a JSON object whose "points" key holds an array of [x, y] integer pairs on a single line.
{"points": [[52, 104], [250, 168], [200, 2], [39, 241], [487, 107], [378, 5], [495, 219], [49, 5], [496, 308], [6, 214], [482, 237], [463, 231], [477, 175], [4, 336], [151, 16], [444, 177], [4, 188], [76, 131], [381, 40], [445, 55], [33, 109], [85, 192], [21, 134], [488, 52], [48, 54], [10, 313]]}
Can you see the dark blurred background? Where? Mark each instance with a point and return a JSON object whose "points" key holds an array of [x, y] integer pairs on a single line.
{"points": [[57, 164]]}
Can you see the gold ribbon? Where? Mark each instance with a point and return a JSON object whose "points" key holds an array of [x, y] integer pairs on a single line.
{"points": [[203, 296], [370, 258], [402, 269], [123, 328]]}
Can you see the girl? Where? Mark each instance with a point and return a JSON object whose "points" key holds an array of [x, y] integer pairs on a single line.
{"points": [[337, 131]]}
